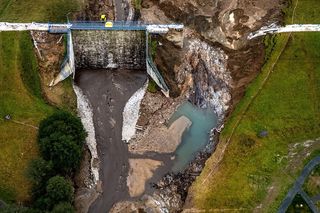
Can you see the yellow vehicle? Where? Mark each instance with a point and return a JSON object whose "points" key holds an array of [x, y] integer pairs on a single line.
{"points": [[103, 18], [109, 24]]}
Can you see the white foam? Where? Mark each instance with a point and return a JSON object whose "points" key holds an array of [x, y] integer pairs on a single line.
{"points": [[131, 113], [86, 115]]}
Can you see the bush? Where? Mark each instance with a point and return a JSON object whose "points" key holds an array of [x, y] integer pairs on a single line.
{"points": [[63, 208], [59, 190]]}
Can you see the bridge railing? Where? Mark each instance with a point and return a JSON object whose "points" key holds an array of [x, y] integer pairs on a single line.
{"points": [[116, 25]]}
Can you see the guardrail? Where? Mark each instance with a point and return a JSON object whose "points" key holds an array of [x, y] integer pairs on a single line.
{"points": [[102, 25]]}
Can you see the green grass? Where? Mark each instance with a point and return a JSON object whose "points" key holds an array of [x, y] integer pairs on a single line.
{"points": [[287, 107], [152, 86], [20, 92], [137, 4]]}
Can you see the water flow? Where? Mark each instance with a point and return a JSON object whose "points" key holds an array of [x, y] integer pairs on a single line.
{"points": [[197, 136]]}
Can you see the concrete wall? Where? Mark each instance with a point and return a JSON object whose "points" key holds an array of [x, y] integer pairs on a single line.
{"points": [[110, 49]]}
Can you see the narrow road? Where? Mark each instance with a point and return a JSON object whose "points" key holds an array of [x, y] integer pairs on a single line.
{"points": [[108, 91], [121, 9], [297, 188]]}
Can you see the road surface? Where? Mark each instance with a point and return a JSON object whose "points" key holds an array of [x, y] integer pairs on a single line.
{"points": [[297, 188]]}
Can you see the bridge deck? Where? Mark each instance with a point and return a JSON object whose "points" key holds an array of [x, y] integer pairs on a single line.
{"points": [[272, 29], [96, 25]]}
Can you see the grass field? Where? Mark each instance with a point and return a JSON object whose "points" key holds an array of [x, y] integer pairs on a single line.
{"points": [[256, 170], [20, 92]]}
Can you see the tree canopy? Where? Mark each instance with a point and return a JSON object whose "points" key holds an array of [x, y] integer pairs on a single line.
{"points": [[61, 139], [59, 190]]}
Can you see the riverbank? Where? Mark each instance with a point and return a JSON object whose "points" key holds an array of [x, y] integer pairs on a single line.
{"points": [[284, 101]]}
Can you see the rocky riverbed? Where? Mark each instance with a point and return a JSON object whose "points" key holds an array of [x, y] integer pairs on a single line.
{"points": [[211, 68], [209, 64]]}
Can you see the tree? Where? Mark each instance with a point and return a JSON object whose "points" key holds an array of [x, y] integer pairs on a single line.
{"points": [[39, 172], [63, 208], [64, 123], [59, 190], [62, 151], [61, 138]]}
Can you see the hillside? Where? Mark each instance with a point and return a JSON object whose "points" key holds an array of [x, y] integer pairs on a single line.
{"points": [[256, 173], [20, 92]]}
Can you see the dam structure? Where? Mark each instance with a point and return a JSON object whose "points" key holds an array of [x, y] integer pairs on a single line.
{"points": [[105, 45], [274, 29], [109, 62]]}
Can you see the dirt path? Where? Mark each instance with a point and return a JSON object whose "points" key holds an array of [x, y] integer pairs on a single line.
{"points": [[121, 7], [108, 91]]}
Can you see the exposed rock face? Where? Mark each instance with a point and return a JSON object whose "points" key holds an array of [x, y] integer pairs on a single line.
{"points": [[110, 49], [206, 66], [225, 21], [211, 68]]}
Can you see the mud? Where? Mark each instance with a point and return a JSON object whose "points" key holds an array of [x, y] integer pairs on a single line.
{"points": [[108, 91], [49, 49]]}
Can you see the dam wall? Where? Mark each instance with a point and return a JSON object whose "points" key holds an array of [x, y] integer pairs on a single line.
{"points": [[110, 49]]}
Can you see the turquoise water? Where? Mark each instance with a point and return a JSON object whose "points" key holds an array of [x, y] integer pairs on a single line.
{"points": [[197, 136]]}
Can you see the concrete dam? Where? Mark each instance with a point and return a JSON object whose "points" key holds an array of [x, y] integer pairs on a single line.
{"points": [[109, 66], [110, 49]]}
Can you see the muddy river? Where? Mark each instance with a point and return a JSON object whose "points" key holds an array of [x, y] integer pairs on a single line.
{"points": [[108, 91]]}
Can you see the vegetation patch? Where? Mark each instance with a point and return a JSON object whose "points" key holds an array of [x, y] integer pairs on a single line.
{"points": [[137, 4], [287, 106], [152, 86], [298, 205], [61, 138], [312, 183], [20, 93], [29, 67]]}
